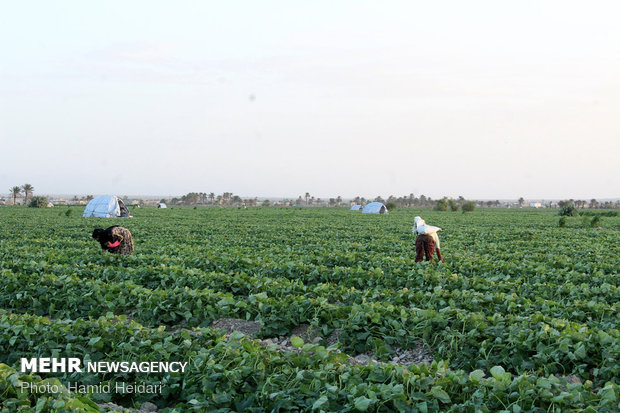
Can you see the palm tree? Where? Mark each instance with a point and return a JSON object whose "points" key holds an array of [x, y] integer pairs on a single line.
{"points": [[211, 197], [307, 196], [15, 191], [28, 189]]}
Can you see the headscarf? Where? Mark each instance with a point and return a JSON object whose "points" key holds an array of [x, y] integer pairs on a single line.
{"points": [[417, 222], [420, 227]]}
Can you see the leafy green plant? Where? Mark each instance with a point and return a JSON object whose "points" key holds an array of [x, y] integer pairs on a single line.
{"points": [[602, 214], [38, 202], [562, 222], [568, 211], [518, 313], [442, 204], [468, 206]]}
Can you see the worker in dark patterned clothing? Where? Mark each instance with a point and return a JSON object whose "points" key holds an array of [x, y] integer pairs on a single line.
{"points": [[115, 239]]}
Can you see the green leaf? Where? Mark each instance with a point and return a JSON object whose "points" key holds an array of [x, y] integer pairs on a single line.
{"points": [[320, 402], [237, 335], [580, 351], [498, 372], [440, 394], [608, 393], [362, 403], [297, 342], [93, 341], [476, 375]]}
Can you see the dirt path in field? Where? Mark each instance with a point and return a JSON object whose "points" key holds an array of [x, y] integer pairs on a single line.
{"points": [[309, 334], [420, 354], [229, 325]]}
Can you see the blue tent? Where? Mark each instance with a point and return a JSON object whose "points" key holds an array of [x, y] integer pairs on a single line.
{"points": [[375, 208]]}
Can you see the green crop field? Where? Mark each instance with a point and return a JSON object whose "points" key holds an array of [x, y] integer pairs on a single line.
{"points": [[523, 316]]}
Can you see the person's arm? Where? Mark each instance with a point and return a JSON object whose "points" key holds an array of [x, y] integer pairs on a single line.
{"points": [[117, 240]]}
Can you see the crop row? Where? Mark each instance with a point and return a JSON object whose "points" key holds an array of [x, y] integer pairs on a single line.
{"points": [[238, 373], [335, 266], [469, 340], [426, 288]]}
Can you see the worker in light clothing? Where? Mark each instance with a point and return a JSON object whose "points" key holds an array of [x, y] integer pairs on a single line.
{"points": [[115, 240], [427, 240]]}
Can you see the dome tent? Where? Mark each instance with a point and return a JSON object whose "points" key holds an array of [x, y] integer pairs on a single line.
{"points": [[161, 205], [106, 206], [375, 208], [355, 208]]}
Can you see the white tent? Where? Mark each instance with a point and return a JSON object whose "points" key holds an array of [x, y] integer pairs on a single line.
{"points": [[375, 208], [355, 208], [49, 205], [106, 206], [161, 205]]}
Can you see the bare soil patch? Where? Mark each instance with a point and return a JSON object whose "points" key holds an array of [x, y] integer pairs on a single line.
{"points": [[420, 354], [230, 325]]}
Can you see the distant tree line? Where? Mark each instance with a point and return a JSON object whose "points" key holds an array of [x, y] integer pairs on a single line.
{"points": [[446, 203], [16, 191], [392, 202], [27, 190], [203, 198], [592, 204]]}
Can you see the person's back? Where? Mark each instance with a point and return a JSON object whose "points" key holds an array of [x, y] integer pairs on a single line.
{"points": [[114, 239], [427, 240]]}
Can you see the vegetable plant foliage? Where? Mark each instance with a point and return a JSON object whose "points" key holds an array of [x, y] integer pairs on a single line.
{"points": [[522, 316]]}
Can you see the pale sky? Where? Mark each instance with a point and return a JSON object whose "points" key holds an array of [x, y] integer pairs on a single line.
{"points": [[484, 99]]}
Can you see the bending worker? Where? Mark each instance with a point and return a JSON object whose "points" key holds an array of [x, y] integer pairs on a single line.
{"points": [[427, 240], [115, 239]]}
